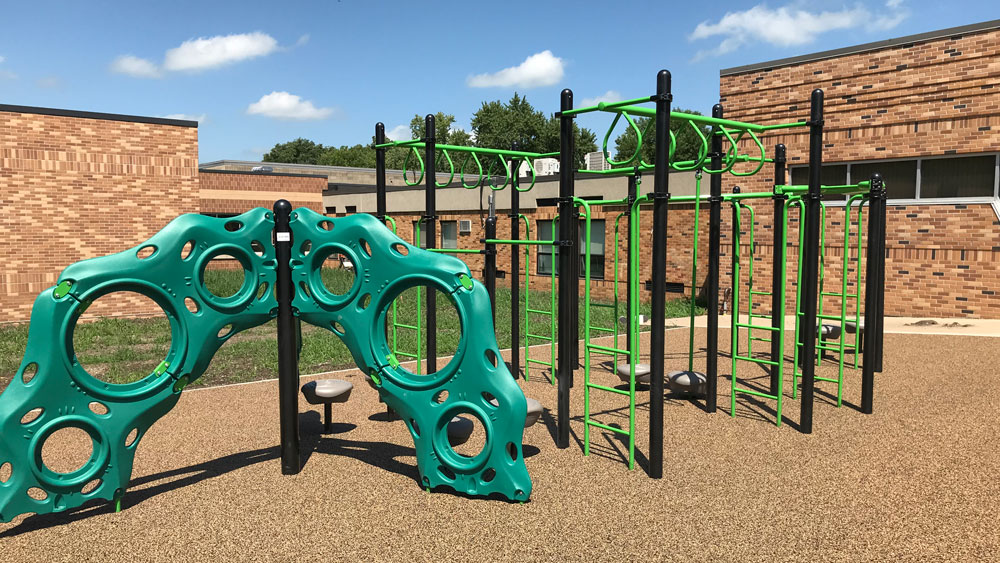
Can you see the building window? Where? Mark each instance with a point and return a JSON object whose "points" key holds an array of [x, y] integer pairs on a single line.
{"points": [[449, 234], [971, 176], [352, 209], [420, 229], [918, 178], [331, 209], [547, 255]]}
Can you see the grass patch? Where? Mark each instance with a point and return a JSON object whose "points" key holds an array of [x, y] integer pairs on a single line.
{"points": [[124, 350]]}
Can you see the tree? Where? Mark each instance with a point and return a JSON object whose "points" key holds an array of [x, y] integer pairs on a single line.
{"points": [[689, 144], [299, 151], [358, 156], [442, 127]]}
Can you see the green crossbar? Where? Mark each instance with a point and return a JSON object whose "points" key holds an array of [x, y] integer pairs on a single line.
{"points": [[756, 360], [758, 327], [608, 389], [756, 393], [606, 427], [607, 349]]}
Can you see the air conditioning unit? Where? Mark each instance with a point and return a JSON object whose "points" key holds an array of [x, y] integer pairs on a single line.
{"points": [[465, 226]]}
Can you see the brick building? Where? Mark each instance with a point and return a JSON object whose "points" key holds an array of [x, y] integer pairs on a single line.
{"points": [[77, 185]]}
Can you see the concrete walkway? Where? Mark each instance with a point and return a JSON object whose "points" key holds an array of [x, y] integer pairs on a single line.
{"points": [[893, 325]]}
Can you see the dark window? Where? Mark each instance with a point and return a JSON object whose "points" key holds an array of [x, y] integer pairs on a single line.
{"points": [[900, 177], [331, 210], [830, 175], [420, 229], [957, 177], [449, 234], [352, 209], [547, 255]]}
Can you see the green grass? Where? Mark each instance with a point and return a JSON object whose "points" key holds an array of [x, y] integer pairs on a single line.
{"points": [[124, 350]]}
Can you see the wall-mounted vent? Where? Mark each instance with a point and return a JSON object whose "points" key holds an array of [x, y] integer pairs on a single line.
{"points": [[465, 226]]}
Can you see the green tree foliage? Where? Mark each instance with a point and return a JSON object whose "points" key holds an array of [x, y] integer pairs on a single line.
{"points": [[688, 142], [518, 124], [299, 151]]}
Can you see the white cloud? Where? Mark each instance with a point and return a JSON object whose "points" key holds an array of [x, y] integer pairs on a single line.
{"points": [[135, 66], [211, 52], [2, 59], [200, 118], [399, 133], [609, 96], [540, 69], [282, 105], [788, 26]]}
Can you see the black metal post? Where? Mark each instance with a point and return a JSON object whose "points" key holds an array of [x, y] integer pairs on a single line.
{"points": [[380, 172], [714, 243], [880, 271], [810, 262], [490, 261], [515, 273], [736, 279], [633, 189], [661, 195], [430, 230], [872, 282], [777, 268], [288, 369], [567, 283]]}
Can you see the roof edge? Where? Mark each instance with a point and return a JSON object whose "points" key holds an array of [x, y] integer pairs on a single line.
{"points": [[97, 115], [864, 47]]}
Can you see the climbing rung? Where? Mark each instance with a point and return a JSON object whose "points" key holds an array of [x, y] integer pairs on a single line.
{"points": [[539, 311], [546, 337], [406, 354], [749, 325], [818, 378], [760, 339], [400, 325], [754, 292], [607, 349], [756, 360], [756, 393], [605, 305], [608, 389], [542, 362], [606, 427]]}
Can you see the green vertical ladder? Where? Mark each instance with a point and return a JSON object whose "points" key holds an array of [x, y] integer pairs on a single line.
{"points": [[550, 312]]}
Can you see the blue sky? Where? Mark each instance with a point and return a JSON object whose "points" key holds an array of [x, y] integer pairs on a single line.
{"points": [[257, 73]]}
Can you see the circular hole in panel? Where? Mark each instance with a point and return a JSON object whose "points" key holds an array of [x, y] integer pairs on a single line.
{"points": [[98, 408], [365, 301], [130, 439], [191, 305], [32, 415], [489, 475], [257, 247], [512, 451], [416, 429], [262, 291], [186, 250], [491, 357], [145, 252], [446, 473], [366, 248], [119, 350], [477, 440], [29, 373], [490, 399], [224, 276], [37, 494], [400, 248], [306, 247], [233, 226], [90, 487], [411, 309], [339, 328], [326, 225], [226, 330], [305, 288], [441, 396], [337, 273], [67, 450], [6, 470]]}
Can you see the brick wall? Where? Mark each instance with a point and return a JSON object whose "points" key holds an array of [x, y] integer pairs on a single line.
{"points": [[932, 97], [226, 192], [77, 187]]}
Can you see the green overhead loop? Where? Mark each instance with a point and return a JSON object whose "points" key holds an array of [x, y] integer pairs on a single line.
{"points": [[51, 378], [406, 164]]}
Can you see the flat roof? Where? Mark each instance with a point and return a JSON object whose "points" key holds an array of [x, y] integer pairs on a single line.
{"points": [[290, 165], [98, 115], [259, 173], [864, 47]]}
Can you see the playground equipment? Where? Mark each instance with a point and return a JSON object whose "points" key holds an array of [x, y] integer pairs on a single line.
{"points": [[326, 392], [279, 279]]}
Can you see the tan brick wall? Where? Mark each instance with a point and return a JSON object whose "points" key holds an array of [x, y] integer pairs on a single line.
{"points": [[227, 192], [74, 188], [935, 97]]}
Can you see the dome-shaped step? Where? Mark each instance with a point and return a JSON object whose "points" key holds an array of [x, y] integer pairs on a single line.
{"points": [[641, 373], [687, 382]]}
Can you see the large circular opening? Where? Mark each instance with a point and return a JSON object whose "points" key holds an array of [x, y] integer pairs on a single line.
{"points": [[67, 450], [127, 342], [337, 273], [406, 329], [224, 276], [476, 440]]}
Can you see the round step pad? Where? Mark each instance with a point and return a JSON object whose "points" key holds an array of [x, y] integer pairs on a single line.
{"points": [[641, 373], [459, 430], [534, 412], [327, 391], [830, 331], [691, 382]]}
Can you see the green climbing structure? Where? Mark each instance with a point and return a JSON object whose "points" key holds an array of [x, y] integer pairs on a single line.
{"points": [[52, 390]]}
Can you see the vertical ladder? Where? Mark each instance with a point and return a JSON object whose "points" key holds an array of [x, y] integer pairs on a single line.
{"points": [[550, 312]]}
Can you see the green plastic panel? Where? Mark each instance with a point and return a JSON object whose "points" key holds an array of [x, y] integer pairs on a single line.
{"points": [[385, 267], [65, 391]]}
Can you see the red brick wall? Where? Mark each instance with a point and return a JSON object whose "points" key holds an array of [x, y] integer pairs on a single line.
{"points": [[934, 97], [236, 192]]}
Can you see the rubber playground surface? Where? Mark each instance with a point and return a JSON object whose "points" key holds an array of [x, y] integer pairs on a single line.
{"points": [[915, 481]]}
